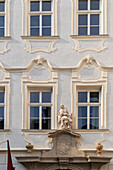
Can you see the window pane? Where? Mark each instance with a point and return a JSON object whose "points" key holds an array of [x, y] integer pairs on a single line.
{"points": [[94, 97], [34, 111], [1, 32], [46, 31], [46, 97], [82, 4], [34, 20], [82, 111], [82, 123], [46, 5], [82, 31], [94, 19], [46, 111], [1, 112], [34, 124], [1, 21], [46, 20], [94, 4], [1, 123], [34, 6], [2, 6], [94, 123], [94, 30], [82, 97], [46, 124], [1, 97], [82, 19], [34, 31], [34, 97], [94, 111]]}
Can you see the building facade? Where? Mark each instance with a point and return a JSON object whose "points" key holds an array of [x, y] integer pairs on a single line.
{"points": [[55, 52]]}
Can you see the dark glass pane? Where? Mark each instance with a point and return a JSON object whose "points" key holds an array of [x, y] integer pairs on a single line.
{"points": [[1, 97], [1, 123], [94, 111], [82, 123], [46, 5], [46, 111], [34, 111], [94, 123], [34, 124], [34, 97], [46, 31], [1, 32], [82, 97], [82, 19], [94, 97], [94, 4], [82, 31], [94, 30], [46, 124], [1, 21], [34, 6], [94, 19], [82, 111], [34, 31], [1, 112], [46, 97], [34, 20], [2, 6], [82, 4], [46, 20]]}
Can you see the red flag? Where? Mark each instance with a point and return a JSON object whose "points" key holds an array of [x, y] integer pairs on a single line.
{"points": [[9, 160]]}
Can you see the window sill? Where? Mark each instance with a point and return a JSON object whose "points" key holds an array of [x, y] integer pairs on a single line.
{"points": [[33, 131], [40, 37], [5, 38], [85, 37], [91, 130], [5, 130]]}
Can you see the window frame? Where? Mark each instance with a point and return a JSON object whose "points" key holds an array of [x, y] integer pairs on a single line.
{"points": [[6, 14], [2, 89], [40, 13], [88, 12], [88, 104], [26, 21], [40, 105], [103, 11]]}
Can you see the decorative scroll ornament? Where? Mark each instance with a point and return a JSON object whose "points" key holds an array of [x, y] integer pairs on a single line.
{"points": [[64, 118], [99, 148], [90, 62], [41, 63]]}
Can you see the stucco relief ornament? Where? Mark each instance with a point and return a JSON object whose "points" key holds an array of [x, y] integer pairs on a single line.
{"points": [[41, 63], [64, 118], [89, 62]]}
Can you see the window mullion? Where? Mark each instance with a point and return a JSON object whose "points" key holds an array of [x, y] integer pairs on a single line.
{"points": [[40, 112], [88, 24], [40, 18], [88, 110]]}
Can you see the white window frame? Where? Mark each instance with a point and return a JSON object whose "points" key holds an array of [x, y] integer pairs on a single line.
{"points": [[27, 13], [6, 14], [102, 12], [40, 104], [40, 13], [88, 104]]}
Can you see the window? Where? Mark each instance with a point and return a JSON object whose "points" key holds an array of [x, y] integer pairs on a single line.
{"points": [[40, 108], [2, 18], [40, 18], [2, 105], [88, 107], [89, 17]]}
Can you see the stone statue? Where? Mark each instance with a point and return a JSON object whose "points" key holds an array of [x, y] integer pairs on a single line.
{"points": [[64, 118]]}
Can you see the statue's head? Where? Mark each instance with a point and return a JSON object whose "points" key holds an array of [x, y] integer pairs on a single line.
{"points": [[62, 106]]}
